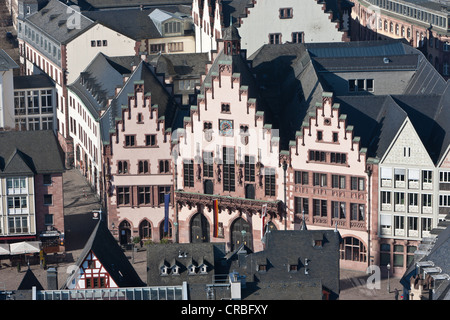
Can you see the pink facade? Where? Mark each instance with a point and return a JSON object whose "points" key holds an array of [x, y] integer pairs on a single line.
{"points": [[227, 152], [138, 170], [329, 183]]}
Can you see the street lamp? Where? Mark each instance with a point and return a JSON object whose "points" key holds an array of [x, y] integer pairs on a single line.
{"points": [[388, 270]]}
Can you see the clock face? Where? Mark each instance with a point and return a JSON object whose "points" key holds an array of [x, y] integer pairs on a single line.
{"points": [[226, 127]]}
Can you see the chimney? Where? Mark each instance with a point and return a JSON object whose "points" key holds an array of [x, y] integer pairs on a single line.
{"points": [[52, 279]]}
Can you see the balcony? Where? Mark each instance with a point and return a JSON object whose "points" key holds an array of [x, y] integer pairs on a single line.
{"points": [[427, 209], [399, 232], [413, 209], [386, 182], [399, 207], [413, 184], [427, 186]]}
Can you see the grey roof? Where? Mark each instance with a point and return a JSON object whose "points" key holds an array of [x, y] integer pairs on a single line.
{"points": [[6, 62], [154, 85], [52, 20], [296, 247], [133, 23], [104, 4], [438, 255], [30, 152], [33, 81], [180, 65], [98, 82], [29, 281], [105, 247], [183, 255]]}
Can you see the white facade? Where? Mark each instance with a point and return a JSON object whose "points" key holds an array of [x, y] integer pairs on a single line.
{"points": [[6, 99], [407, 188]]}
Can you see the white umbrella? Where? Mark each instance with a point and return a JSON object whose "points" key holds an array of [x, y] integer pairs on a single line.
{"points": [[25, 247], [4, 248]]}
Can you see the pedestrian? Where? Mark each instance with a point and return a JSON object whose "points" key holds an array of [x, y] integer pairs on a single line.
{"points": [[396, 294]]}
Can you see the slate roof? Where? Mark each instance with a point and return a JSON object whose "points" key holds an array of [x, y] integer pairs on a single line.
{"points": [[133, 23], [105, 247], [6, 62], [29, 153], [377, 119], [52, 20], [98, 82], [29, 281], [438, 254], [184, 255], [33, 81], [103, 4], [293, 247], [180, 65], [153, 84]]}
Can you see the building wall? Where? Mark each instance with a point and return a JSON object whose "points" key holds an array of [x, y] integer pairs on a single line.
{"points": [[328, 133], [308, 17], [85, 132], [402, 221], [28, 213], [152, 209], [371, 22], [6, 99], [117, 45]]}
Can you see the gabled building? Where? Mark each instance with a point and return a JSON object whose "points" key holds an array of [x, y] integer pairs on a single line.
{"points": [[136, 145], [156, 29], [31, 188], [49, 42], [290, 22], [226, 156], [102, 264]]}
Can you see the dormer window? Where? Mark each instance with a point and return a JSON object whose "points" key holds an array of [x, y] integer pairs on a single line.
{"points": [[293, 268], [176, 270], [225, 108], [262, 267], [164, 270], [204, 269], [192, 269], [172, 27], [318, 243]]}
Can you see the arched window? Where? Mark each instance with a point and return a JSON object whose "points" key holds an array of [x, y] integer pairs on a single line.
{"points": [[145, 230], [353, 249]]}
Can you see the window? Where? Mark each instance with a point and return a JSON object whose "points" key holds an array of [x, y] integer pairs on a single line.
{"points": [[144, 195], [99, 43], [33, 102], [320, 179], [352, 249], [399, 175], [427, 176], [444, 176], [48, 219], [93, 43], [412, 199], [398, 256], [399, 222], [130, 140], [228, 169], [335, 137], [175, 47], [269, 177], [17, 204], [427, 200], [225, 108], [275, 38], [104, 43], [298, 37], [188, 173], [338, 209], [164, 166], [399, 198], [301, 177], [46, 101], [172, 27], [143, 166], [17, 225], [315, 155], [123, 195], [162, 191], [319, 135], [338, 181], [48, 199], [16, 185], [19, 103], [155, 48], [369, 85], [150, 140], [33, 124], [249, 169], [385, 197], [301, 205], [285, 13], [122, 167], [47, 179]]}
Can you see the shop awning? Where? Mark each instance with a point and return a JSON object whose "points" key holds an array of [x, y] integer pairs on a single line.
{"points": [[4, 248], [25, 247]]}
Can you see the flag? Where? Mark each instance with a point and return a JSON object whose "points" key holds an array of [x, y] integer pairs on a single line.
{"points": [[216, 218], [263, 219], [166, 212]]}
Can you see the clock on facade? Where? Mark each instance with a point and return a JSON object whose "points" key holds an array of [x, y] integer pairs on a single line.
{"points": [[226, 127]]}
